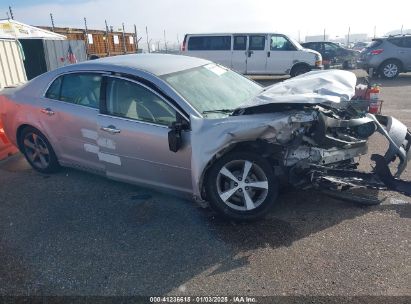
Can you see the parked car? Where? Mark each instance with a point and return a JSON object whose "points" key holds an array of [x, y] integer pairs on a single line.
{"points": [[258, 54], [387, 57], [359, 46], [333, 54], [190, 126]]}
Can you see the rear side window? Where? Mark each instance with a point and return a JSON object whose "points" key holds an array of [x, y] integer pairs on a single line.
{"points": [[257, 43], [209, 43], [374, 44], [240, 43], [396, 41], [54, 90], [77, 88], [407, 42]]}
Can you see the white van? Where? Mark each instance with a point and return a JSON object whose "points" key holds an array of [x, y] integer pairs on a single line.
{"points": [[253, 54]]}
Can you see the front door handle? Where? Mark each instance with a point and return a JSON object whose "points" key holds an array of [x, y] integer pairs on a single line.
{"points": [[47, 111], [249, 53], [111, 129], [268, 54]]}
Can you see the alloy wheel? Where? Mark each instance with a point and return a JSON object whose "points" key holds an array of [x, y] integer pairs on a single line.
{"points": [[242, 185], [36, 150], [390, 70]]}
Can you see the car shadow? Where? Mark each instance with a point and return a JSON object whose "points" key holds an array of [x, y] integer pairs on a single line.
{"points": [[81, 234], [402, 80]]}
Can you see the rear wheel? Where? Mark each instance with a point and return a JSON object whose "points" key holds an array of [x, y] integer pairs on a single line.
{"points": [[38, 151], [390, 69], [241, 186]]}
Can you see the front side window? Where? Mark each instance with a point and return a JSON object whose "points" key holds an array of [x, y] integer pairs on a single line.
{"points": [[257, 43], [131, 100], [77, 88], [330, 47], [280, 43]]}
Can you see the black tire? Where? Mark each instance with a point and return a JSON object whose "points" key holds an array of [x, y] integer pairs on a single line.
{"points": [[260, 172], [298, 70], [38, 151], [390, 69]]}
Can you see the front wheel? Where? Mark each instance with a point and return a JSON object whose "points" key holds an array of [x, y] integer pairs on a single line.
{"points": [[241, 186]]}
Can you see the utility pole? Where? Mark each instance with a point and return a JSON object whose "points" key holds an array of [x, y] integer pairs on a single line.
{"points": [[148, 42], [375, 31], [324, 35], [348, 36], [299, 36], [135, 37], [402, 26], [124, 40], [107, 42], [165, 40], [11, 13], [86, 35], [52, 21]]}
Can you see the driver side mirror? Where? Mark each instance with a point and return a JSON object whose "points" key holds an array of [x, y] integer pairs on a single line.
{"points": [[175, 141]]}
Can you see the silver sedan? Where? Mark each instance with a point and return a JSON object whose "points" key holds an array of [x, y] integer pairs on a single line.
{"points": [[189, 126]]}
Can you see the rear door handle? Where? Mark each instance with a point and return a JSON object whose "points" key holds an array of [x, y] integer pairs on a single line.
{"points": [[47, 111], [111, 129]]}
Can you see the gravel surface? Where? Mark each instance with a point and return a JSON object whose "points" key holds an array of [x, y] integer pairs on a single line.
{"points": [[73, 233]]}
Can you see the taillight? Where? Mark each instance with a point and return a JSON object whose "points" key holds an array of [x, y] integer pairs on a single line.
{"points": [[376, 52]]}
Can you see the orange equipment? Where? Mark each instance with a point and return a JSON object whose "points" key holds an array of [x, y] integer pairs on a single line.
{"points": [[375, 101], [6, 148]]}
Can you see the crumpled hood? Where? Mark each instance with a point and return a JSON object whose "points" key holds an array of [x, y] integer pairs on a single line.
{"points": [[333, 87]]}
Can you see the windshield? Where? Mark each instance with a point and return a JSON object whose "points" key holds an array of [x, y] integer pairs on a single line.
{"points": [[213, 88], [296, 43]]}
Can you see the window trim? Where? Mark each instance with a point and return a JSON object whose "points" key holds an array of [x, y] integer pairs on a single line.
{"points": [[103, 101]]}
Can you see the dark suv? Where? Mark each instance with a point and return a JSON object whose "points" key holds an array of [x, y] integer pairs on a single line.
{"points": [[333, 54], [387, 56]]}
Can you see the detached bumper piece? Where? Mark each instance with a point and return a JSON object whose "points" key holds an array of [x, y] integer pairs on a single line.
{"points": [[325, 178]]}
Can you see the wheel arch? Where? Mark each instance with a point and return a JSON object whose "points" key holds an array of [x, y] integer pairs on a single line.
{"points": [[297, 65], [401, 64], [19, 131]]}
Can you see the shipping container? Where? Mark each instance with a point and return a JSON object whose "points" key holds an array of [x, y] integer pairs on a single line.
{"points": [[45, 55], [101, 43], [12, 70]]}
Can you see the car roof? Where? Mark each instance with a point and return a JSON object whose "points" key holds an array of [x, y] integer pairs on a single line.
{"points": [[157, 64], [235, 33], [319, 42]]}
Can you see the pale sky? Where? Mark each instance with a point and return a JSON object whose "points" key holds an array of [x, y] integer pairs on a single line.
{"points": [[178, 17]]}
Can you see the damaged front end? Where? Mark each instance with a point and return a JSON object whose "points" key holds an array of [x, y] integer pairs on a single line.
{"points": [[327, 160], [312, 134]]}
